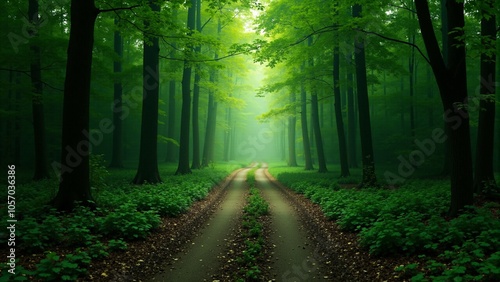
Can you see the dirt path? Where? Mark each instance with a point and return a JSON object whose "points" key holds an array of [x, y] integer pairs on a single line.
{"points": [[294, 257], [199, 261]]}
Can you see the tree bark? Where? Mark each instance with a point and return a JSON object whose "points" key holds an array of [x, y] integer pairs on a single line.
{"points": [[484, 176], [305, 132], [147, 171], [196, 98], [292, 120], [369, 177], [171, 147], [351, 116], [74, 183], [227, 134], [117, 150], [41, 169], [452, 83], [183, 166], [209, 146], [344, 166], [317, 134]]}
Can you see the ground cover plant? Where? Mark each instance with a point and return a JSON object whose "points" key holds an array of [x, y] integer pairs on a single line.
{"points": [[124, 213], [410, 221], [252, 225]]}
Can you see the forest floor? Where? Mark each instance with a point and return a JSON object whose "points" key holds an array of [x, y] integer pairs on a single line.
{"points": [[201, 245], [301, 243]]}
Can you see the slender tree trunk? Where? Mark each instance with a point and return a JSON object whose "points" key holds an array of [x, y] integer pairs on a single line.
{"points": [[429, 97], [41, 169], [369, 177], [208, 148], [412, 74], [315, 122], [117, 150], [445, 172], [484, 176], [172, 110], [196, 98], [351, 116], [147, 171], [344, 166], [292, 121], [317, 133], [183, 167], [195, 122], [171, 148], [227, 134], [305, 132], [452, 81], [74, 183]]}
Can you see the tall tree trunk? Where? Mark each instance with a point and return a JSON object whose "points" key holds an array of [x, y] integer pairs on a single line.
{"points": [[227, 134], [196, 97], [315, 122], [429, 97], [147, 171], [369, 177], [292, 121], [452, 82], [344, 166], [183, 166], [412, 74], [171, 147], [446, 170], [351, 116], [74, 183], [41, 169], [305, 133], [117, 150], [317, 133], [209, 146], [484, 176]]}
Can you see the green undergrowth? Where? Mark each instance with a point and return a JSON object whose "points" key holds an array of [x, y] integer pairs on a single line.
{"points": [[125, 212], [411, 221], [255, 208]]}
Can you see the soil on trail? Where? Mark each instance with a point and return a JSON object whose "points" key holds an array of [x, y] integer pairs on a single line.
{"points": [[294, 257], [199, 261]]}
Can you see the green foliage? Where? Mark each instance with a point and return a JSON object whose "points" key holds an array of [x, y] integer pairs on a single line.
{"points": [[56, 268], [97, 250], [117, 245], [126, 222], [253, 211], [257, 206], [410, 221], [98, 172]]}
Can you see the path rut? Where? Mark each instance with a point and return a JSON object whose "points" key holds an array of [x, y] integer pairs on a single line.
{"points": [[199, 262], [294, 258]]}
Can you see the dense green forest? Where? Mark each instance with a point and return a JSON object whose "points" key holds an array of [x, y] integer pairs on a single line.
{"points": [[126, 124]]}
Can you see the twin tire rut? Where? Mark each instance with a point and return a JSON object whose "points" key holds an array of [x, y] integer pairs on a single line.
{"points": [[293, 258]]}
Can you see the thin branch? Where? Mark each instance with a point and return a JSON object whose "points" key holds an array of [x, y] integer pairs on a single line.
{"points": [[398, 41], [27, 73], [204, 60], [404, 8], [118, 9]]}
